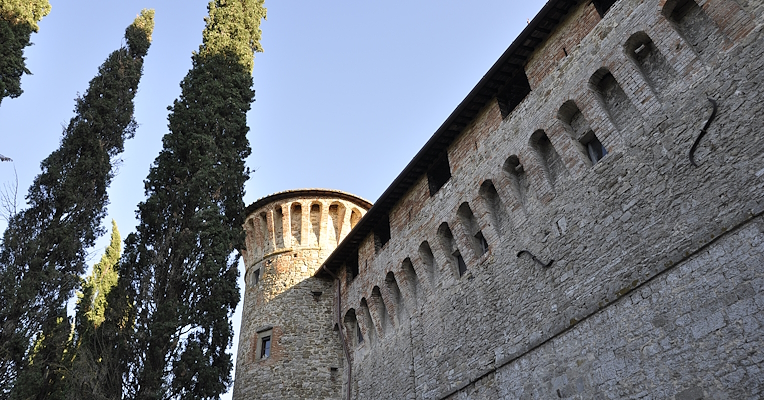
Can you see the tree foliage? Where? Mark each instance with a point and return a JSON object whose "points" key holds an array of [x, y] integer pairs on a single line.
{"points": [[91, 305], [45, 246], [48, 362], [180, 267], [18, 20], [98, 346]]}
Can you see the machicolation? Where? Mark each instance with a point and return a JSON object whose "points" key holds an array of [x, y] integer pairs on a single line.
{"points": [[555, 238]]}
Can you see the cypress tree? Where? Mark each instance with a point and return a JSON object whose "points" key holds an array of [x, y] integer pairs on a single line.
{"points": [[18, 20], [181, 262], [99, 324], [44, 247], [92, 302], [48, 362]]}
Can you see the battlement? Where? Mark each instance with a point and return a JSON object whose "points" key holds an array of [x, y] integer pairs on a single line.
{"points": [[589, 218], [300, 219], [547, 210]]}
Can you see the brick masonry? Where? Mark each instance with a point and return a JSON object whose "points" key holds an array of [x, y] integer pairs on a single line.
{"points": [[658, 275]]}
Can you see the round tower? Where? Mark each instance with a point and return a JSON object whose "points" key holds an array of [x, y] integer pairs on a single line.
{"points": [[287, 346]]}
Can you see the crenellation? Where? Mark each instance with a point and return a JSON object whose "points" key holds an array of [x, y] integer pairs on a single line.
{"points": [[539, 270]]}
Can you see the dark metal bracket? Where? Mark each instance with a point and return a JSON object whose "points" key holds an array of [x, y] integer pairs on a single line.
{"points": [[702, 132], [539, 262]]}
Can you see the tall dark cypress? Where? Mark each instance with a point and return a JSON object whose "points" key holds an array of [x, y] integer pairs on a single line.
{"points": [[18, 20], [182, 261], [44, 248], [100, 321]]}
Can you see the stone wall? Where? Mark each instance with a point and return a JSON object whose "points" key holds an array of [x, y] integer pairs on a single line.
{"points": [[289, 235], [656, 284]]}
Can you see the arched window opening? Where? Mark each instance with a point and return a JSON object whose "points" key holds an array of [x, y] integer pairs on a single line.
{"points": [[278, 227], [651, 63], [517, 177], [428, 259], [296, 217], [264, 231], [449, 247], [617, 105], [334, 225], [355, 216], [352, 328], [315, 224], [548, 157], [400, 311], [253, 242], [498, 213], [581, 132], [379, 303], [368, 321], [470, 225], [412, 281], [695, 26]]}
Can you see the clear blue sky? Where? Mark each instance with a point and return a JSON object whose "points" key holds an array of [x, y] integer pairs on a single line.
{"points": [[346, 91]]}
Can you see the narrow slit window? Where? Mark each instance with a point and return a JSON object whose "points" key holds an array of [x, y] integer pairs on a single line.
{"points": [[358, 333], [460, 262]]}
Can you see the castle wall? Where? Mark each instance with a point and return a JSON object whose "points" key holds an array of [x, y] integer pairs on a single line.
{"points": [[693, 332], [656, 285]]}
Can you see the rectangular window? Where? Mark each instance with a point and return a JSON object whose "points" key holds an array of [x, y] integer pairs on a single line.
{"points": [[439, 174], [381, 233], [351, 266], [263, 342], [265, 347], [513, 92], [602, 6]]}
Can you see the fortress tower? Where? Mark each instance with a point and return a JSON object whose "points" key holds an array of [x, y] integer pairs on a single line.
{"points": [[288, 348]]}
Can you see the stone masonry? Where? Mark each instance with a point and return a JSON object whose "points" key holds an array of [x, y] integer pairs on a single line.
{"points": [[554, 239], [289, 234]]}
